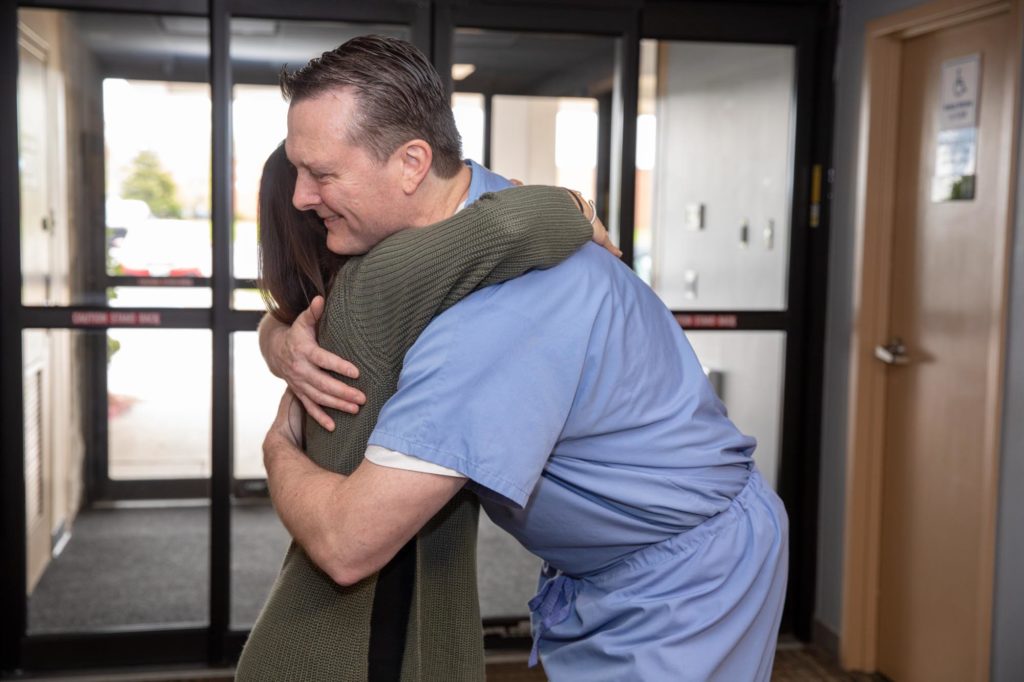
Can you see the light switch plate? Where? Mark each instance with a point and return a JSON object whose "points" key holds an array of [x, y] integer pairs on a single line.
{"points": [[694, 217], [690, 284]]}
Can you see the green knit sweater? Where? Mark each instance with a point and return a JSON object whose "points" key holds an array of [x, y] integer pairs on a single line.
{"points": [[312, 628]]}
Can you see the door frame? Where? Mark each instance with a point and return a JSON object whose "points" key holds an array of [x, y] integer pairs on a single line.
{"points": [[803, 317], [876, 197]]}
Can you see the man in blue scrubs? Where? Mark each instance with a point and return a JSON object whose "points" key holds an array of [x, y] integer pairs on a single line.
{"points": [[571, 402]]}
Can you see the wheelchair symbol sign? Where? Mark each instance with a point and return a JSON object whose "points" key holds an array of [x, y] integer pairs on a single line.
{"points": [[960, 80], [959, 87]]}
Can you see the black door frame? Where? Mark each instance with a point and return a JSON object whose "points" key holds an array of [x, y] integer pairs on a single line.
{"points": [[810, 26], [811, 30]]}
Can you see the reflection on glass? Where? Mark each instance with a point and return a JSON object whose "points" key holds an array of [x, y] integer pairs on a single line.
{"points": [[35, 142], [714, 169], [747, 368], [53, 375], [92, 568], [158, 184], [468, 108], [247, 299], [546, 141], [160, 297], [259, 116], [260, 48], [256, 395], [544, 90], [114, 151], [158, 403]]}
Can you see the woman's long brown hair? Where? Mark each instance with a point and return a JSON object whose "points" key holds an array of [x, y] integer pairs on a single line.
{"points": [[294, 262]]}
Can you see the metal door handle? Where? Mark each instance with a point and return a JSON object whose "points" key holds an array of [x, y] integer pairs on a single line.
{"points": [[893, 353]]}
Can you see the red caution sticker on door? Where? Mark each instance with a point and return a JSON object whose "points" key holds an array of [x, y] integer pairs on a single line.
{"points": [[114, 318], [691, 321]]}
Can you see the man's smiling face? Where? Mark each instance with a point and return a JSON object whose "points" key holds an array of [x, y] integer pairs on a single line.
{"points": [[357, 197]]}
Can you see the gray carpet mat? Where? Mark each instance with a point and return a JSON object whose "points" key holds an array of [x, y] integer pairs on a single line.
{"points": [[150, 567]]}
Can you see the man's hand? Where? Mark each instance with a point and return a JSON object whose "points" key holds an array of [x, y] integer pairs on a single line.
{"points": [[293, 354]]}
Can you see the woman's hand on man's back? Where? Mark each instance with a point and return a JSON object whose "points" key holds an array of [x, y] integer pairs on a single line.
{"points": [[292, 353]]}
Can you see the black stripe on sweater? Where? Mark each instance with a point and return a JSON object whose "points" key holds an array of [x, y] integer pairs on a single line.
{"points": [[392, 600]]}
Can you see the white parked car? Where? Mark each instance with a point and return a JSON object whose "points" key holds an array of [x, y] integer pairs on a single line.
{"points": [[144, 246]]}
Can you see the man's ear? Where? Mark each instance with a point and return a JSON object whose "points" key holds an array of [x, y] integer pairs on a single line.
{"points": [[415, 157]]}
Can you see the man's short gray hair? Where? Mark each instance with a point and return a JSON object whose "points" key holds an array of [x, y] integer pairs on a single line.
{"points": [[400, 97]]}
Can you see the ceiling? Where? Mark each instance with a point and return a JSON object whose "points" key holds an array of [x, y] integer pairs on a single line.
{"points": [[156, 47]]}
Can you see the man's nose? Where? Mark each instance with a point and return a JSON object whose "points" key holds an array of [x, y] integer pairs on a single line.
{"points": [[305, 197]]}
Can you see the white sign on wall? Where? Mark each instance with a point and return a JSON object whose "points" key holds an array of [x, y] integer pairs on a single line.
{"points": [[961, 78], [957, 144]]}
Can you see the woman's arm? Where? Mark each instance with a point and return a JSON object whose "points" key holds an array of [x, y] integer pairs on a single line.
{"points": [[414, 275], [293, 354]]}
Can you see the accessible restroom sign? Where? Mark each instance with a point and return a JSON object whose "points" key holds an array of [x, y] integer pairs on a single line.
{"points": [[956, 151], [960, 80]]}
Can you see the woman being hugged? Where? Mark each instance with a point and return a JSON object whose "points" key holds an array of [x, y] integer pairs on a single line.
{"points": [[410, 612]]}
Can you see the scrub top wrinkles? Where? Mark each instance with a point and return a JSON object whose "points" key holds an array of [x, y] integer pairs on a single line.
{"points": [[584, 440], [573, 403]]}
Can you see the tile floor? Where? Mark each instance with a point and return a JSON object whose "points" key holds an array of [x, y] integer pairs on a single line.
{"points": [[794, 662]]}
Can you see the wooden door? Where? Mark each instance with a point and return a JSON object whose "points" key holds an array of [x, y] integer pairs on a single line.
{"points": [[946, 305]]}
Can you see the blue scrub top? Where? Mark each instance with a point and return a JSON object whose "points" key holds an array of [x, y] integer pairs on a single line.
{"points": [[575, 405], [483, 181]]}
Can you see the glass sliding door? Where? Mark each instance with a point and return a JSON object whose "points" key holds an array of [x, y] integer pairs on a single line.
{"points": [[527, 103], [114, 156], [130, 550], [747, 371], [714, 204], [135, 517], [715, 144], [723, 233]]}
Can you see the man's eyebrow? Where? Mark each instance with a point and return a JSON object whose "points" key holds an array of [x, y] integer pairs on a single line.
{"points": [[295, 164], [313, 169]]}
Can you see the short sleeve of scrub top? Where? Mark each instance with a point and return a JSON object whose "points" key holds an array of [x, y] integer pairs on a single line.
{"points": [[399, 460], [476, 396]]}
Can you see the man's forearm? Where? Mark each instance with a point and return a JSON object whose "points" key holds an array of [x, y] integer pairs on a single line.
{"points": [[307, 498], [350, 526]]}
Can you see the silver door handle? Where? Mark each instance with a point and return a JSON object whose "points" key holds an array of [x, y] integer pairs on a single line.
{"points": [[893, 353]]}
